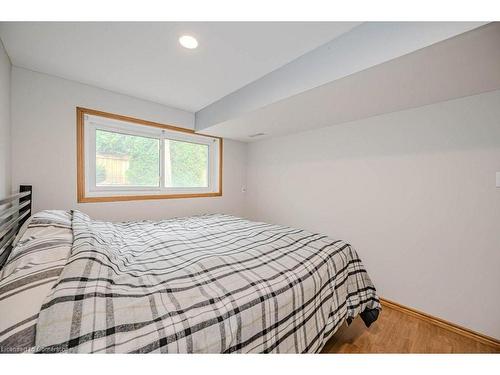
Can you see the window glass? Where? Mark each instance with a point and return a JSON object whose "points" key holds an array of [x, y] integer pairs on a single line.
{"points": [[126, 160], [186, 164]]}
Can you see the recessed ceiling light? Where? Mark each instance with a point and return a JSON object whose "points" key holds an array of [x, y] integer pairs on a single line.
{"points": [[188, 42]]}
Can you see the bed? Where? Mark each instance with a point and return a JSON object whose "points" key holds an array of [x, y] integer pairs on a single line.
{"points": [[204, 284]]}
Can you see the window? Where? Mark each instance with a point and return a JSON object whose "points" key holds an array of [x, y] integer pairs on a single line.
{"points": [[122, 158]]}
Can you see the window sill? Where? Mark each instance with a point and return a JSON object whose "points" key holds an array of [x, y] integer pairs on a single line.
{"points": [[120, 198]]}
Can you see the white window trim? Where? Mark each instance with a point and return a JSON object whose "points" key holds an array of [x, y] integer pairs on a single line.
{"points": [[91, 122]]}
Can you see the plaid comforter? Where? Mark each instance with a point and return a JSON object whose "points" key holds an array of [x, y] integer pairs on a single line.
{"points": [[212, 283]]}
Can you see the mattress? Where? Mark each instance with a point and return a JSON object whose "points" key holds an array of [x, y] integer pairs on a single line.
{"points": [[203, 284]]}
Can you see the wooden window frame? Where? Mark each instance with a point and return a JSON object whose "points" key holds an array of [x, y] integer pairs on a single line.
{"points": [[80, 156]]}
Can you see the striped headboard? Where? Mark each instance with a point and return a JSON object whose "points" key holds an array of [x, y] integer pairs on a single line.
{"points": [[14, 211]]}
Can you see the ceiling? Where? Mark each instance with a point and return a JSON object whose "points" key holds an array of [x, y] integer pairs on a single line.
{"points": [[274, 78], [145, 60], [365, 46], [464, 65]]}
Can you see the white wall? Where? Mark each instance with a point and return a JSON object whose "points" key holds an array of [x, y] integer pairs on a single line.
{"points": [[413, 191], [5, 68], [44, 148]]}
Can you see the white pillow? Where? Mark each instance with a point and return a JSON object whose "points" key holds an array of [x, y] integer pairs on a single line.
{"points": [[21, 232]]}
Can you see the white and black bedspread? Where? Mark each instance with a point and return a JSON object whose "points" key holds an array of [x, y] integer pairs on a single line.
{"points": [[212, 283]]}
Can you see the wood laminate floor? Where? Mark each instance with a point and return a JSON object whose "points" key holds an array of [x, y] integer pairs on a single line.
{"points": [[397, 332]]}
